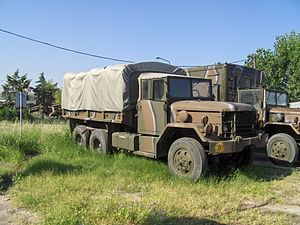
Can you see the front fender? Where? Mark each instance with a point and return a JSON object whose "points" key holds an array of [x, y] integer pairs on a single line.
{"points": [[197, 128], [173, 131], [287, 128]]}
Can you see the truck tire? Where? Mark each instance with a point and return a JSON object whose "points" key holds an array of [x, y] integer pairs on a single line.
{"points": [[81, 135], [282, 150], [99, 141], [186, 158], [245, 157]]}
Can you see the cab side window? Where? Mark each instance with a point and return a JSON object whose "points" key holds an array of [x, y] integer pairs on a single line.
{"points": [[271, 98], [145, 90], [158, 90]]}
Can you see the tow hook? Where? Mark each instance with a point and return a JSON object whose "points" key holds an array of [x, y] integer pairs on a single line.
{"points": [[238, 139]]}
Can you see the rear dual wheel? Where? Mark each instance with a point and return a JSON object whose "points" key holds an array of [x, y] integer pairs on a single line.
{"points": [[81, 135], [97, 140], [186, 158]]}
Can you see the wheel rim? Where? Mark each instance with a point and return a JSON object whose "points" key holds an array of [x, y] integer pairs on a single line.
{"points": [[97, 146], [280, 149], [183, 162], [78, 139]]}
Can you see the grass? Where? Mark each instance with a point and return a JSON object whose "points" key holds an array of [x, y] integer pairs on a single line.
{"points": [[66, 184]]}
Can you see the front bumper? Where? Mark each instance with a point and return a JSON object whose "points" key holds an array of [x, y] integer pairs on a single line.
{"points": [[235, 145]]}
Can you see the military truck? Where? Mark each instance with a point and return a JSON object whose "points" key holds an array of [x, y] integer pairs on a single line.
{"points": [[278, 120], [246, 85], [154, 110]]}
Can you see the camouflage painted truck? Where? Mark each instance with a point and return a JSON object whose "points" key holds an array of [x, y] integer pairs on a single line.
{"points": [[154, 110], [246, 85]]}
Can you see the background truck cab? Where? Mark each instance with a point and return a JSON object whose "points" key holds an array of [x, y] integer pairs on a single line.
{"points": [[246, 85], [278, 120]]}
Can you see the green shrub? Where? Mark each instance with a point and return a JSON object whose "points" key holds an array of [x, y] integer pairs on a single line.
{"points": [[12, 114]]}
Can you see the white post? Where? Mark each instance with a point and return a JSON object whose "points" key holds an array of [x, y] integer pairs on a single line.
{"points": [[21, 100]]}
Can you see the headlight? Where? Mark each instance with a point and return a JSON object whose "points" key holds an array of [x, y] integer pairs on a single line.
{"points": [[183, 116], [278, 117], [225, 128]]}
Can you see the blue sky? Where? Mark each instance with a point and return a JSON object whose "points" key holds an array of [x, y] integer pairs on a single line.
{"points": [[184, 32]]}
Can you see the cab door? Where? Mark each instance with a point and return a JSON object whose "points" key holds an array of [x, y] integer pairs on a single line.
{"points": [[151, 107]]}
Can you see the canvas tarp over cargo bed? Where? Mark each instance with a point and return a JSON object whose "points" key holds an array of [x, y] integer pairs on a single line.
{"points": [[113, 88]]}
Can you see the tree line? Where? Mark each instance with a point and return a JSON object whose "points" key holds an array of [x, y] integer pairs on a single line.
{"points": [[281, 65], [45, 94]]}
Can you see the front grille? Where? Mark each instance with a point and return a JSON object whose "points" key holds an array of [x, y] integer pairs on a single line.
{"points": [[239, 124]]}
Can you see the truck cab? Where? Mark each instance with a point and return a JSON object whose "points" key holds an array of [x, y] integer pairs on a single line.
{"points": [[159, 91], [278, 120], [177, 119]]}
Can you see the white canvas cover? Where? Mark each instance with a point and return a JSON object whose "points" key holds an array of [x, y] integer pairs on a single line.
{"points": [[113, 88]]}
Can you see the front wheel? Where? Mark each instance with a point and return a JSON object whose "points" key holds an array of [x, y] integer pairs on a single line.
{"points": [[186, 158], [282, 149]]}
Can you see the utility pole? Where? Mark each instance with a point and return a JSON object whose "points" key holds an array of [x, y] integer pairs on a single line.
{"points": [[21, 105], [254, 61]]}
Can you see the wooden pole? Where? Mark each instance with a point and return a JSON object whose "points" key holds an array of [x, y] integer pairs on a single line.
{"points": [[254, 61]]}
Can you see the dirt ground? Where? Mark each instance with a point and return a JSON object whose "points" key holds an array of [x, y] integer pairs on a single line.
{"points": [[10, 215]]}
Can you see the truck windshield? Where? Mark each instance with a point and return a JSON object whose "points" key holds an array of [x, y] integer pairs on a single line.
{"points": [[277, 98], [255, 97], [282, 99], [251, 97], [189, 88]]}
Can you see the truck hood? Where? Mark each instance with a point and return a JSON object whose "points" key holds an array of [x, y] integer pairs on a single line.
{"points": [[211, 106], [286, 111], [291, 115]]}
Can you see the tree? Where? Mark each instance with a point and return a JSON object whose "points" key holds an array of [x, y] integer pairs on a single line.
{"points": [[15, 83], [45, 92], [58, 97], [282, 65]]}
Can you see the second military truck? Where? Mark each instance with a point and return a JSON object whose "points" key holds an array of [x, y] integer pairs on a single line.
{"points": [[154, 110], [279, 122]]}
